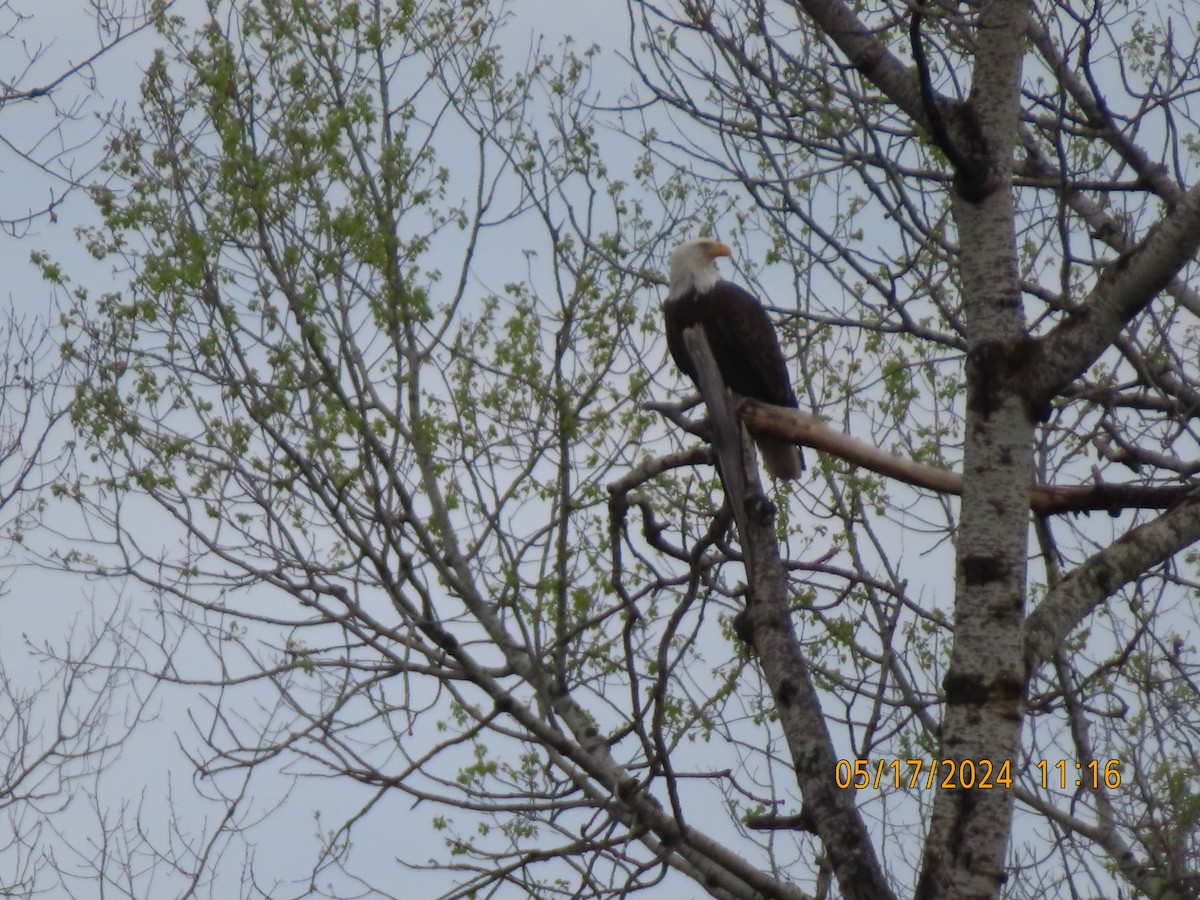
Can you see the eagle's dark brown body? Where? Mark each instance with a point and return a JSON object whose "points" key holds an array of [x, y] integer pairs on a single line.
{"points": [[741, 337]]}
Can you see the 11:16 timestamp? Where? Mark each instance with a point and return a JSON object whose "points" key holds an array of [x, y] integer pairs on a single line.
{"points": [[1092, 773]]}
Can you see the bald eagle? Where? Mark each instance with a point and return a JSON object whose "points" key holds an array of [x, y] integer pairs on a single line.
{"points": [[741, 337]]}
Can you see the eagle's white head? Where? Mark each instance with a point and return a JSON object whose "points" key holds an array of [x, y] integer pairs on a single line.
{"points": [[694, 265]]}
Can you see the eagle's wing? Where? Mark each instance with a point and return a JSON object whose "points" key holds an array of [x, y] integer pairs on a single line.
{"points": [[745, 345]]}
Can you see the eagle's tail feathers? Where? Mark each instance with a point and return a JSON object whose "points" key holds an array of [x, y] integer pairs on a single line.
{"points": [[781, 459]]}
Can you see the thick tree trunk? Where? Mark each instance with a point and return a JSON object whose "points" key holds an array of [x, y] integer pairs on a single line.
{"points": [[985, 686]]}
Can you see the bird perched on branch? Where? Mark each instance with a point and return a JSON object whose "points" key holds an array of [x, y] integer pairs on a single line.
{"points": [[740, 335]]}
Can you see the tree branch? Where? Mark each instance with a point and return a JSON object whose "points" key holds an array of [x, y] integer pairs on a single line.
{"points": [[1093, 582], [726, 432], [868, 55], [970, 176], [1124, 288], [1047, 499], [767, 625]]}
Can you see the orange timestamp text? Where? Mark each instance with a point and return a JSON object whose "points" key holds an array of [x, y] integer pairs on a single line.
{"points": [[947, 774], [1090, 774]]}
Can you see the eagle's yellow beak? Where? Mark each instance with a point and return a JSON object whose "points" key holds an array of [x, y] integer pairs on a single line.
{"points": [[715, 249]]}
